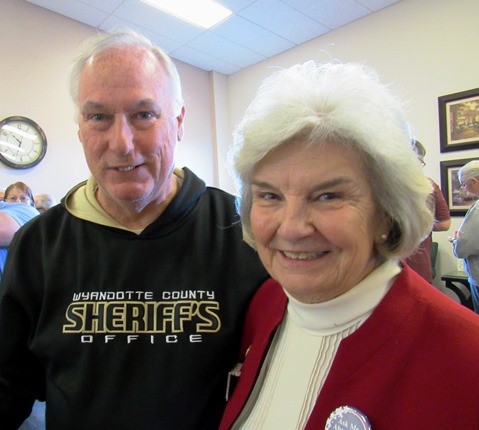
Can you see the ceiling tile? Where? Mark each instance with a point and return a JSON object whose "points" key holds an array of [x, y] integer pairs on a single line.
{"points": [[75, 10], [105, 5], [247, 34], [235, 5], [220, 47], [283, 20], [258, 29], [203, 61], [113, 23], [157, 21], [330, 13], [375, 5]]}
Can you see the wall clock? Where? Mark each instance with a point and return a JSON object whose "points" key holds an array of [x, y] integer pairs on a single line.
{"points": [[23, 143]]}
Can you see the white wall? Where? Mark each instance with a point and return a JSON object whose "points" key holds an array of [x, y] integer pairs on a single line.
{"points": [[424, 48], [36, 51]]}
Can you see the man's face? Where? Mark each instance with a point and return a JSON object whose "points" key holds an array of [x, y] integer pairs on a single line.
{"points": [[127, 126]]}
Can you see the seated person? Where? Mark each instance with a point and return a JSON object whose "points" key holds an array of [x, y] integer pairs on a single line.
{"points": [[19, 192], [12, 217], [44, 202]]}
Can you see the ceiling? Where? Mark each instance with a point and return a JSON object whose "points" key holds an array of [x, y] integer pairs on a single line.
{"points": [[257, 30]]}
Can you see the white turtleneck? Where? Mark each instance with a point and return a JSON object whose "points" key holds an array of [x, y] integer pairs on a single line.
{"points": [[303, 351]]}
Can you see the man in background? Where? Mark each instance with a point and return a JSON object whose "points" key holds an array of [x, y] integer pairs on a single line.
{"points": [[43, 202]]}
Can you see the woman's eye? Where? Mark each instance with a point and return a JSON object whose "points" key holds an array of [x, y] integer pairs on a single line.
{"points": [[263, 195], [327, 196], [269, 196]]}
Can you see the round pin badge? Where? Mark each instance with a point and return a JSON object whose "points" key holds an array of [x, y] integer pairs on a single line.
{"points": [[346, 418]]}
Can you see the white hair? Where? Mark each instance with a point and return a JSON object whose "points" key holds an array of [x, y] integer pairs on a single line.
{"points": [[121, 39], [345, 104], [468, 171]]}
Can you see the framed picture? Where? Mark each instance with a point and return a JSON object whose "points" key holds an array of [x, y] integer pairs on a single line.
{"points": [[459, 120], [458, 199]]}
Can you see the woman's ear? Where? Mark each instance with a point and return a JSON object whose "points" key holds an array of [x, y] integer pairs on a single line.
{"points": [[383, 229]]}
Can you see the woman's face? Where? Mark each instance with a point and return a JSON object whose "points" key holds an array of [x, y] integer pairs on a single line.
{"points": [[16, 195], [314, 219]]}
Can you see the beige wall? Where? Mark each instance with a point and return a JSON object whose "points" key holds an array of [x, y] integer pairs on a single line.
{"points": [[36, 51], [424, 48]]}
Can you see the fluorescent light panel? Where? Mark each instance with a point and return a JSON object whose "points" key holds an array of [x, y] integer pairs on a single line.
{"points": [[203, 13]]}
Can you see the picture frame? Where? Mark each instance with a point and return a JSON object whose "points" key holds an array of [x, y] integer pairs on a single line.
{"points": [[459, 120], [458, 199]]}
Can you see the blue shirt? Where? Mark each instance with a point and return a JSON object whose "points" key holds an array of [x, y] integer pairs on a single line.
{"points": [[21, 213]]}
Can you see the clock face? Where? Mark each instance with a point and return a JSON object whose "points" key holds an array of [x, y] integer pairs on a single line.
{"points": [[23, 143]]}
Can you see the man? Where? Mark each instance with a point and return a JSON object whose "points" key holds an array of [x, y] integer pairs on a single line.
{"points": [[420, 261], [128, 314], [43, 202]]}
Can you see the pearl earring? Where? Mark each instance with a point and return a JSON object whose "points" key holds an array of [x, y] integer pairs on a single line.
{"points": [[384, 237]]}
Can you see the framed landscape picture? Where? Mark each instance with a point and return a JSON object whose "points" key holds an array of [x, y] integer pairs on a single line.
{"points": [[459, 120]]}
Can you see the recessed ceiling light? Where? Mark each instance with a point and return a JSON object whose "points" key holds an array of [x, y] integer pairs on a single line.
{"points": [[203, 13]]}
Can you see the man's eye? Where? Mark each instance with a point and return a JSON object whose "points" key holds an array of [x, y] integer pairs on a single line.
{"points": [[146, 115], [96, 117]]}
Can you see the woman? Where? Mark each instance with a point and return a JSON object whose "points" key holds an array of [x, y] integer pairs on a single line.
{"points": [[466, 240], [345, 335], [19, 192]]}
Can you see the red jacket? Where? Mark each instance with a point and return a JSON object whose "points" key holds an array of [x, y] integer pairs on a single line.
{"points": [[413, 364]]}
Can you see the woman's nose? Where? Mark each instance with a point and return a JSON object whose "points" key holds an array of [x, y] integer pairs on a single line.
{"points": [[295, 221]]}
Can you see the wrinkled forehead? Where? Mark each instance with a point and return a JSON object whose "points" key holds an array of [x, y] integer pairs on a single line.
{"points": [[119, 73], [123, 66], [125, 57]]}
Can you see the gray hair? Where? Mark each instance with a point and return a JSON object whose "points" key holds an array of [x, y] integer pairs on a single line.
{"points": [[468, 171], [345, 104], [122, 39], [44, 201]]}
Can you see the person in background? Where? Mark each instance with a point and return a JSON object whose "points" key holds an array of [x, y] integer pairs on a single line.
{"points": [[465, 241], [123, 305], [2, 194], [12, 217], [420, 260], [19, 192], [44, 202], [344, 335]]}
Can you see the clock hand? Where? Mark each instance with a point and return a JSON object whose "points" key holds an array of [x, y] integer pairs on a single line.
{"points": [[17, 139]]}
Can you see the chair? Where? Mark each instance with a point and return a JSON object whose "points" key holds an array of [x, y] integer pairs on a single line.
{"points": [[434, 250]]}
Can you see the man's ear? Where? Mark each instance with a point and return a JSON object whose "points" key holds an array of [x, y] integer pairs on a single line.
{"points": [[180, 130]]}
